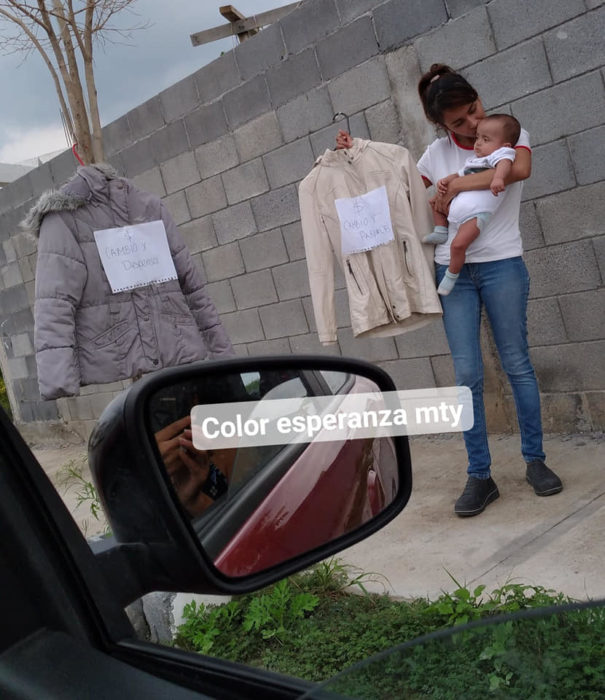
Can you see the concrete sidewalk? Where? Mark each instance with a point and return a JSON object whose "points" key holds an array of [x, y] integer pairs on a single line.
{"points": [[556, 542]]}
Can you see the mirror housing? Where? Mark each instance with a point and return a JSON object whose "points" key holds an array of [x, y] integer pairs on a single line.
{"points": [[156, 542]]}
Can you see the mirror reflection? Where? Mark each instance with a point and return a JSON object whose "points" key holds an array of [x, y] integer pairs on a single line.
{"points": [[255, 506]]}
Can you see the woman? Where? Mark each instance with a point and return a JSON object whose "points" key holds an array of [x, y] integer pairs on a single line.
{"points": [[494, 276]]}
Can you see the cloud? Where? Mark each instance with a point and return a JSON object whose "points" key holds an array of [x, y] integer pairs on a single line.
{"points": [[22, 144]]}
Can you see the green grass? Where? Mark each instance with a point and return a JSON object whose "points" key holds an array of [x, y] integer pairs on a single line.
{"points": [[4, 397], [311, 626]]}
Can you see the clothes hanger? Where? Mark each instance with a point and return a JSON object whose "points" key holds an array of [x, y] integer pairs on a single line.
{"points": [[346, 116]]}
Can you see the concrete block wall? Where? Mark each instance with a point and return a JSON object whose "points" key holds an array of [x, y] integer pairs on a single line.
{"points": [[226, 148]]}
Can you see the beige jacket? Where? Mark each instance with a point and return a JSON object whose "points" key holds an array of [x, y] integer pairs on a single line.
{"points": [[391, 288]]}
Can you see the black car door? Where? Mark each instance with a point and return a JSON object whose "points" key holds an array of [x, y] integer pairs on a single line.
{"points": [[63, 634]]}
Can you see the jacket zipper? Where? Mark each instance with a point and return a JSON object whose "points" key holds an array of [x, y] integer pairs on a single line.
{"points": [[353, 276], [405, 258]]}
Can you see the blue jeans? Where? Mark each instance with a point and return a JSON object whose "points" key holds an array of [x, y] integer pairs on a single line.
{"points": [[502, 286]]}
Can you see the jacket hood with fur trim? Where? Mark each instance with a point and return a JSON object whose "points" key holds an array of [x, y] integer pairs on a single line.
{"points": [[89, 183]]}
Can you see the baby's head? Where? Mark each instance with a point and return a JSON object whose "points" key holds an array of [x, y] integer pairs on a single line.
{"points": [[496, 131]]}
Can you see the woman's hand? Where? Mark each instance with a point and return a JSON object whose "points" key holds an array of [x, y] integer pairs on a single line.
{"points": [[343, 140]]}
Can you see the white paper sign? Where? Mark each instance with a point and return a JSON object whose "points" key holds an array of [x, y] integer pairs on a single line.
{"points": [[365, 221], [135, 256]]}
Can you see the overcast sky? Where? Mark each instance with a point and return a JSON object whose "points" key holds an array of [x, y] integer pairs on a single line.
{"points": [[126, 75]]}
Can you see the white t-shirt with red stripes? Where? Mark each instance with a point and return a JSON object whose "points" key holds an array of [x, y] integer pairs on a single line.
{"points": [[501, 238]]}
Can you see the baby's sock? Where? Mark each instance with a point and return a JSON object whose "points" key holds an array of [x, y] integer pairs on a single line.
{"points": [[438, 235], [447, 283]]}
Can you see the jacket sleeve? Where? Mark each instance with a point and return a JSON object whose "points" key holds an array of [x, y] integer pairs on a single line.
{"points": [[60, 278], [320, 262], [193, 288]]}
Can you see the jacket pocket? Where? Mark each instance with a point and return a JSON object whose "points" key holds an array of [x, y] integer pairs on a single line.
{"points": [[409, 268], [111, 335], [356, 277]]}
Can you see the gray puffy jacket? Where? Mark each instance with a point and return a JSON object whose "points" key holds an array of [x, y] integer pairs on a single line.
{"points": [[84, 333]]}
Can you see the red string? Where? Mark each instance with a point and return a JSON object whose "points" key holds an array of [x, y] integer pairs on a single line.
{"points": [[73, 149]]}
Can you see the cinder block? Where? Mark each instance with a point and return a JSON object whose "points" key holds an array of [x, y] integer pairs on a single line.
{"points": [[276, 208], [222, 296], [284, 319], [510, 75], [216, 78], [560, 108], [291, 280], [234, 222], [223, 262], [246, 181], [424, 342], [396, 22], [596, 408], [180, 172], [456, 8], [326, 138], [383, 122], [243, 327], [264, 250], [529, 224], [293, 238], [576, 46], [11, 275], [560, 412], [308, 344], [443, 370], [599, 250], [41, 179], [341, 310], [9, 250], [588, 155], [552, 171], [577, 213], [464, 40], [404, 73], [44, 411], [260, 52], [117, 136], [289, 163], [246, 102], [308, 23], [371, 349], [206, 123], [199, 234], [177, 206], [217, 156], [22, 345], [26, 389], [545, 323], [584, 315], [21, 190], [27, 266], [280, 346], [515, 20], [410, 374], [258, 137], [206, 197], [571, 267], [571, 367], [17, 368], [347, 48], [99, 403], [139, 158], [254, 290], [352, 9], [151, 181], [361, 87], [179, 99], [170, 141], [240, 350], [298, 74], [305, 114], [199, 265], [146, 118]]}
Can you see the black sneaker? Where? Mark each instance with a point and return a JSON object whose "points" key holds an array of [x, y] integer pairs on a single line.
{"points": [[477, 494], [543, 480]]}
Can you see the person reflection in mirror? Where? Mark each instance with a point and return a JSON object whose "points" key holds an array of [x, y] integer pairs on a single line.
{"points": [[199, 477]]}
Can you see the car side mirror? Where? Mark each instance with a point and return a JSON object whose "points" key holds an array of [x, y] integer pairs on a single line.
{"points": [[227, 475]]}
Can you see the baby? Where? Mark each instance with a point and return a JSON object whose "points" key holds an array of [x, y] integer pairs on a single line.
{"points": [[470, 211]]}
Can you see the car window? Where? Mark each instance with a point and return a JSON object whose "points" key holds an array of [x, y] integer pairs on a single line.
{"points": [[335, 380]]}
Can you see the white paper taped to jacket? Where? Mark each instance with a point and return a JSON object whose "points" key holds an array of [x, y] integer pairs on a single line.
{"points": [[367, 206]]}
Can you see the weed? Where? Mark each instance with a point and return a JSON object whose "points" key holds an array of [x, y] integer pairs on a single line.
{"points": [[71, 478]]}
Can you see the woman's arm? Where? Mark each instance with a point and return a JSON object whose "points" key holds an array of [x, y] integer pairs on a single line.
{"points": [[521, 170]]}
